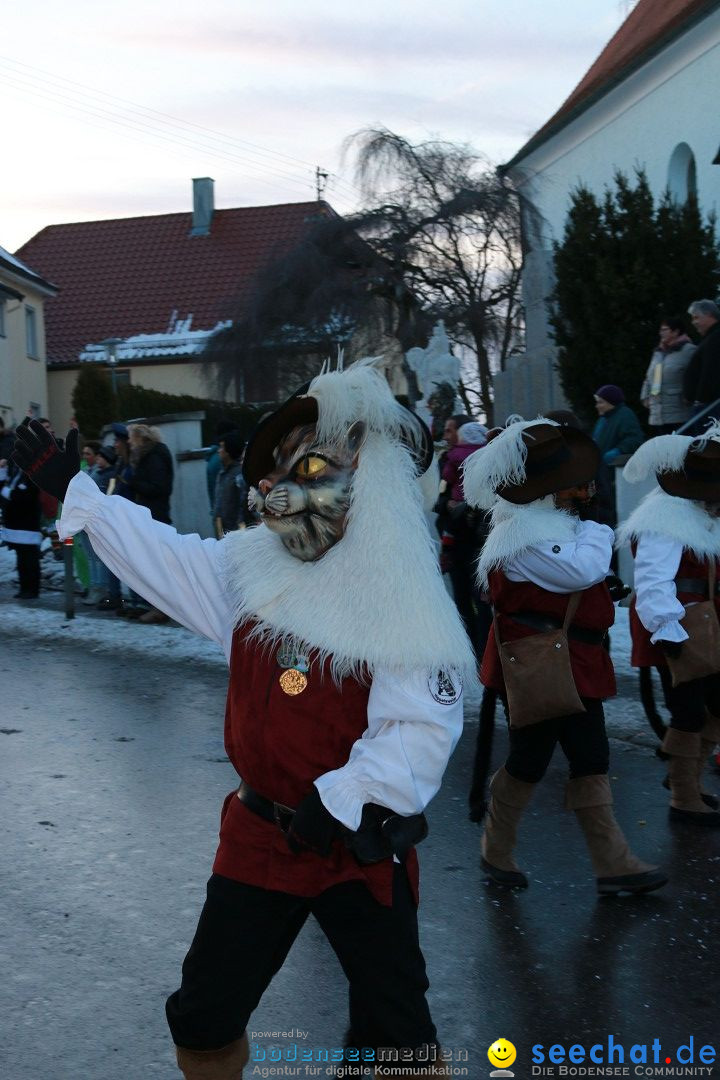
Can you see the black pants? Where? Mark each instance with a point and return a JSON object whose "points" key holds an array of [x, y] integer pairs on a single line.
{"points": [[582, 737], [687, 702], [28, 568], [245, 933], [475, 613]]}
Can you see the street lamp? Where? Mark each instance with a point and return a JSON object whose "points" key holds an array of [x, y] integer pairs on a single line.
{"points": [[110, 345]]}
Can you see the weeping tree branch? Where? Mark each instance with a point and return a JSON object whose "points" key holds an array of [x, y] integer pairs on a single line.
{"points": [[439, 237]]}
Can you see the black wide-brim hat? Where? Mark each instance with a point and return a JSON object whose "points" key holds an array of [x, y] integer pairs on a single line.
{"points": [[299, 410], [699, 478], [557, 458]]}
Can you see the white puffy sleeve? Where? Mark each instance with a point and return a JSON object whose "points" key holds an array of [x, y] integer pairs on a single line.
{"points": [[656, 563], [177, 573], [414, 724], [567, 566]]}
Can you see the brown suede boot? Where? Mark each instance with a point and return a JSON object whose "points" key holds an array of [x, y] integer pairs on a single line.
{"points": [[684, 767], [224, 1064], [616, 868], [709, 739], [508, 799]]}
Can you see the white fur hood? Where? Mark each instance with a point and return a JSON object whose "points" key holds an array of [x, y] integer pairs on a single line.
{"points": [[516, 528], [375, 600], [682, 520]]}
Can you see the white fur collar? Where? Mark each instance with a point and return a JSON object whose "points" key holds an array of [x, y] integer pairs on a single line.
{"points": [[516, 528], [376, 600], [682, 520]]}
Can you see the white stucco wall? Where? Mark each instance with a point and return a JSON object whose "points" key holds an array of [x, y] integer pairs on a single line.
{"points": [[23, 378], [671, 100], [180, 378]]}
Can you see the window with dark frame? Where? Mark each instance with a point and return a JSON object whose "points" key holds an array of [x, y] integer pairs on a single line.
{"points": [[31, 341]]}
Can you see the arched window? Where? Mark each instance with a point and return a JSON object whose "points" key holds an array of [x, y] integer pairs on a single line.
{"points": [[682, 173]]}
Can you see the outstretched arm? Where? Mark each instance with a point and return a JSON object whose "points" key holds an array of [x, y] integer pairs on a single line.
{"points": [[177, 573]]}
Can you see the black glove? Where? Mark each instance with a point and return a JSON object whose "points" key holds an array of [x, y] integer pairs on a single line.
{"points": [[617, 588], [671, 648], [313, 828], [50, 467]]}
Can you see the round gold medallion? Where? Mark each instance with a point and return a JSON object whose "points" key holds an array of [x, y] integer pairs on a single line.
{"points": [[293, 681]]}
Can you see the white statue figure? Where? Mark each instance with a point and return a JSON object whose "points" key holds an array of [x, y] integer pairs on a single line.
{"points": [[433, 366]]}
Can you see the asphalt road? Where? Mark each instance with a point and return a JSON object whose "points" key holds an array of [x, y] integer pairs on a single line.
{"points": [[112, 777]]}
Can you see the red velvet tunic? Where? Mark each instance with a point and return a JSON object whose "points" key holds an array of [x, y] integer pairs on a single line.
{"points": [[591, 665], [279, 744], [644, 653]]}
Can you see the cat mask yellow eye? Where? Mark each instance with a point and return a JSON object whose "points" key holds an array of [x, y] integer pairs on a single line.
{"points": [[311, 465]]}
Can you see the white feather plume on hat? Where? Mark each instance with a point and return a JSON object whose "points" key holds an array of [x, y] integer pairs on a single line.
{"points": [[664, 453], [361, 392], [667, 453], [501, 462]]}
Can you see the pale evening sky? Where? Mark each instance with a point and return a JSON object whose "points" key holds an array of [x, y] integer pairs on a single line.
{"points": [[109, 110]]}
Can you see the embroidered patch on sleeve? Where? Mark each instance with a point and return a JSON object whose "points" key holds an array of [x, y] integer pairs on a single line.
{"points": [[443, 689]]}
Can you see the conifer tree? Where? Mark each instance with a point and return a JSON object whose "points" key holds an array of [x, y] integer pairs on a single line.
{"points": [[93, 401], [623, 264]]}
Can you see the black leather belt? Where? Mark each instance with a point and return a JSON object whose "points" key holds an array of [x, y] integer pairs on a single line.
{"points": [[381, 833], [545, 623], [697, 586], [274, 812]]}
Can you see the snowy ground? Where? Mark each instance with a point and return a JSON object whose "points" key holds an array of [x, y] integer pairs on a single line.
{"points": [[101, 632]]}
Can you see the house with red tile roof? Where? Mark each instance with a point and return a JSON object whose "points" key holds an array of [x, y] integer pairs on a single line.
{"points": [[140, 297], [650, 100], [23, 381]]}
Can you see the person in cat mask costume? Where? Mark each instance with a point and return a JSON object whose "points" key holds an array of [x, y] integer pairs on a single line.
{"points": [[346, 658]]}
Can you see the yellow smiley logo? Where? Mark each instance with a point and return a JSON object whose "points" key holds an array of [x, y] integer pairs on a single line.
{"points": [[502, 1053]]}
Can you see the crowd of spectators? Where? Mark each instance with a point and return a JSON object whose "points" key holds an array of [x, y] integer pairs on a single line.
{"points": [[132, 461]]}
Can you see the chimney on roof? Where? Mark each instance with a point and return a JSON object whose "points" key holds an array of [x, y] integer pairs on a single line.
{"points": [[203, 205]]}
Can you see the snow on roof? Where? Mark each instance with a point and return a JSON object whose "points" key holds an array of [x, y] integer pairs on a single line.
{"points": [[123, 277], [179, 340]]}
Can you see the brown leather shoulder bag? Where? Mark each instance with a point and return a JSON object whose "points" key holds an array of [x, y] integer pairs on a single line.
{"points": [[700, 654], [538, 677]]}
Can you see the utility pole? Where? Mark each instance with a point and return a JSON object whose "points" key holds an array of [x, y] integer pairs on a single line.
{"points": [[110, 345], [321, 179]]}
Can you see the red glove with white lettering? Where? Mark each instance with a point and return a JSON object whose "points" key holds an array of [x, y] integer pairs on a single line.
{"points": [[38, 454]]}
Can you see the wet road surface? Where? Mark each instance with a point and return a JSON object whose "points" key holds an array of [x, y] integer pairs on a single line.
{"points": [[113, 774]]}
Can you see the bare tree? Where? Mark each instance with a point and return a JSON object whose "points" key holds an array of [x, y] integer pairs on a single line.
{"points": [[447, 225], [440, 238], [331, 290]]}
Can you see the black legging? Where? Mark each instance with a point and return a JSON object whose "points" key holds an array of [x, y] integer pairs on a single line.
{"points": [[687, 702], [28, 568], [245, 933], [582, 737]]}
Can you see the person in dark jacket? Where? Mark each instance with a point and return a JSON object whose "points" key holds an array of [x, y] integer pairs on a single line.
{"points": [[463, 536], [214, 464], [20, 506], [151, 479], [617, 432], [150, 483], [230, 510], [7, 440], [702, 377]]}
